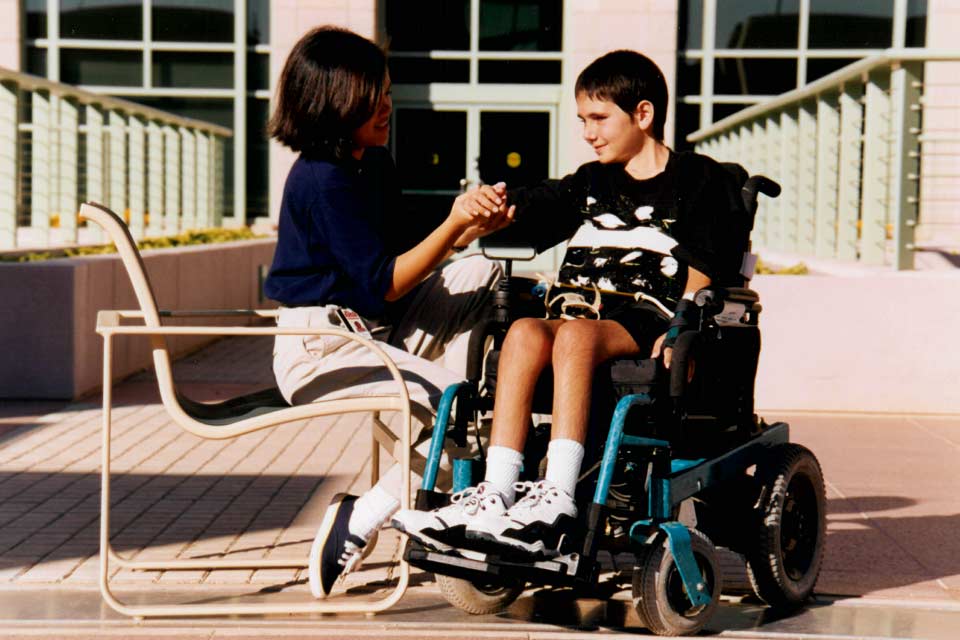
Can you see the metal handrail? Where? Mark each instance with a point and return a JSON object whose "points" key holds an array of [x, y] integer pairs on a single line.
{"points": [[34, 83]]}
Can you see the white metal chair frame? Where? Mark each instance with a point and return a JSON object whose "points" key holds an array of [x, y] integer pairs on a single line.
{"points": [[109, 324]]}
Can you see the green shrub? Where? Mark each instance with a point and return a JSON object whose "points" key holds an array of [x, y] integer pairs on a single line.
{"points": [[189, 238], [799, 269]]}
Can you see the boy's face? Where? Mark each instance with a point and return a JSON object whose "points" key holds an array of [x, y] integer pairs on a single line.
{"points": [[615, 135]]}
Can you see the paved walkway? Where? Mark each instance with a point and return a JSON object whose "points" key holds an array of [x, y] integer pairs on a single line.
{"points": [[894, 508]]}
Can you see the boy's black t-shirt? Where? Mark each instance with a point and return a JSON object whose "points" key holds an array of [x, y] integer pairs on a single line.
{"points": [[628, 236]]}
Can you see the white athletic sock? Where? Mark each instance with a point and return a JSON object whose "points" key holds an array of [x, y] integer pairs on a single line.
{"points": [[564, 458], [371, 510], [503, 469]]}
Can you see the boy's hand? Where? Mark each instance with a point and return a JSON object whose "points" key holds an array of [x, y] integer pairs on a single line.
{"points": [[658, 347], [486, 224], [481, 205]]}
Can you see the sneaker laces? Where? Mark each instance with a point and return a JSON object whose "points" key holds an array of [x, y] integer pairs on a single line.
{"points": [[534, 492], [351, 557], [473, 498]]}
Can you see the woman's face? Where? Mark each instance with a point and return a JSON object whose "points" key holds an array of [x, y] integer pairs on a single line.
{"points": [[376, 131]]}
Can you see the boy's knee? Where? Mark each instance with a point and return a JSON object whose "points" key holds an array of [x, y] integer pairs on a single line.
{"points": [[576, 336]]}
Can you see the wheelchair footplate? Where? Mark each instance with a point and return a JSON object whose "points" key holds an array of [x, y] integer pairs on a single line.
{"points": [[476, 566]]}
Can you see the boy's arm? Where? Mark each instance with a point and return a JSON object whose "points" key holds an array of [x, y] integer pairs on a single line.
{"points": [[687, 314]]}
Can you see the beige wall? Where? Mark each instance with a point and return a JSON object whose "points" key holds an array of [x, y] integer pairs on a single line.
{"points": [[594, 27], [10, 34], [940, 197], [289, 20]]}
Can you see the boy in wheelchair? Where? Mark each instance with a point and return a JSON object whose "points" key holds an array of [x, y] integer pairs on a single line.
{"points": [[647, 229]]}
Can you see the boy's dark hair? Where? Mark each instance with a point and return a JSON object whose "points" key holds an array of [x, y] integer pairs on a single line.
{"points": [[626, 78], [330, 85]]}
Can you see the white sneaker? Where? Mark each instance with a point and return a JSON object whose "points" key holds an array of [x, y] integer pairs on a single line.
{"points": [[533, 526], [443, 529]]}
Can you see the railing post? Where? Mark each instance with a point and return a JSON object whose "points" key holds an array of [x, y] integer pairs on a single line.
{"points": [[68, 150], [155, 188], [9, 143], [806, 178], [848, 179], [137, 176], [774, 212], [204, 198], [876, 169], [759, 159], [189, 180], [40, 169], [789, 168], [218, 187], [118, 162], [94, 161], [171, 172], [828, 156], [905, 166]]}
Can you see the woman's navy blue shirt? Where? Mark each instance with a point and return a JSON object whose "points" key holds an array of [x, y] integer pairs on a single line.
{"points": [[340, 231]]}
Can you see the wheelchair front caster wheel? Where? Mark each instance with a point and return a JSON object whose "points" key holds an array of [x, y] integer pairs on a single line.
{"points": [[477, 598], [659, 596], [783, 561]]}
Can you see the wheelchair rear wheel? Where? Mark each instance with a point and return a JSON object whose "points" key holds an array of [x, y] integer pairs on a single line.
{"points": [[789, 531], [659, 596], [477, 598]]}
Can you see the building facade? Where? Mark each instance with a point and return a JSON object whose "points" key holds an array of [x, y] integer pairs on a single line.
{"points": [[483, 89]]}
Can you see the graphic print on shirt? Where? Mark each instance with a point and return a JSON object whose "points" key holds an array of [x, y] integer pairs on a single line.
{"points": [[623, 249]]}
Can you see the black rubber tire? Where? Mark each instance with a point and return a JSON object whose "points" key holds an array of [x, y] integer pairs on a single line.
{"points": [[478, 600], [658, 594], [789, 527]]}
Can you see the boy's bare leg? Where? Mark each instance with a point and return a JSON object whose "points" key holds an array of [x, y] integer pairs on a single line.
{"points": [[526, 352], [578, 348]]}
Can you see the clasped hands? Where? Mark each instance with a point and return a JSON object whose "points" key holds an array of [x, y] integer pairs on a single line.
{"points": [[481, 211]]}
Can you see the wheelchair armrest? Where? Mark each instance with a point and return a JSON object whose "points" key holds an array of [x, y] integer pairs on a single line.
{"points": [[727, 305]]}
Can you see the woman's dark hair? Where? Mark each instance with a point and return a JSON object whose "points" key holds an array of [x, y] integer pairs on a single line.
{"points": [[330, 85], [626, 78]]}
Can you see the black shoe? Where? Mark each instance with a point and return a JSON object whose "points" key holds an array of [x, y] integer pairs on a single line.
{"points": [[335, 550]]}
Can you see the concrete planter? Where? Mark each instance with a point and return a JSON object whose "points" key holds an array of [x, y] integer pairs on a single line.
{"points": [[47, 319]]}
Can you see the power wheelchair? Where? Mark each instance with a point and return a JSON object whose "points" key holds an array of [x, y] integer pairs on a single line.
{"points": [[671, 439]]}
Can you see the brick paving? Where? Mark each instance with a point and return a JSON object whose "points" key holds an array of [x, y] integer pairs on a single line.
{"points": [[173, 494]]}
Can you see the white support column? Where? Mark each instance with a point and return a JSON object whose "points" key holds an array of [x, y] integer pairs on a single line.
{"points": [[137, 173], [68, 159], [155, 187], [905, 171], [117, 178], [806, 179], [876, 169], [774, 226], [828, 169], [240, 115], [40, 169], [95, 164], [8, 165], [188, 190], [171, 172], [204, 183], [848, 177], [789, 168]]}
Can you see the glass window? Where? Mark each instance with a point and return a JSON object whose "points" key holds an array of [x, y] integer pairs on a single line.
{"points": [[36, 61], [688, 77], [850, 24], [754, 76], [101, 67], [258, 71], [435, 161], [107, 19], [192, 69], [687, 121], [819, 67], [258, 159], [447, 29], [690, 25], [721, 111], [917, 23], [426, 70], [520, 71], [258, 21], [758, 24], [513, 147], [35, 14], [193, 20], [520, 25]]}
